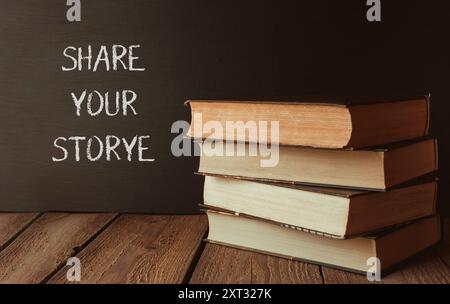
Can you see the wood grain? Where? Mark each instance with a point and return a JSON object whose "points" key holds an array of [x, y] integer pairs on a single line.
{"points": [[46, 244], [425, 268], [335, 276], [142, 249], [13, 223], [165, 249], [270, 269], [221, 264]]}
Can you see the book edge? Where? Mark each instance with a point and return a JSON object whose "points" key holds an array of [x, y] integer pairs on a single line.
{"points": [[424, 179], [344, 102], [374, 234]]}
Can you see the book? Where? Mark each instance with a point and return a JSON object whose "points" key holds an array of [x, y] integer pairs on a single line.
{"points": [[337, 213], [390, 247], [375, 169], [322, 122]]}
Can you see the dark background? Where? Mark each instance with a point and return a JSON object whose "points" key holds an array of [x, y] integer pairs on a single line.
{"points": [[194, 49]]}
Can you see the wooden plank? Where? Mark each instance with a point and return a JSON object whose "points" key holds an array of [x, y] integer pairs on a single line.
{"points": [[274, 270], [46, 244], [221, 264], [425, 268], [13, 223], [335, 276], [142, 249]]}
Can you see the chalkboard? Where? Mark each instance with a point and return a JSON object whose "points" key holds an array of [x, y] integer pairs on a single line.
{"points": [[190, 49]]}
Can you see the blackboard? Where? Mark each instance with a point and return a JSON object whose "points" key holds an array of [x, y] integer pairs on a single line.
{"points": [[191, 49]]}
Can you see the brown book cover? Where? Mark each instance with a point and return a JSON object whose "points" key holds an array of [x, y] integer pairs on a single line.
{"points": [[322, 122]]}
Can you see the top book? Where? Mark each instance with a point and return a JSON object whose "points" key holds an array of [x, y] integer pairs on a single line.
{"points": [[317, 122]]}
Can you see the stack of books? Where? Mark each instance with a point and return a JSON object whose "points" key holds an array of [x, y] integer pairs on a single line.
{"points": [[353, 178]]}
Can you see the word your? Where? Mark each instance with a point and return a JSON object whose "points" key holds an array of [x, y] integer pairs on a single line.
{"points": [[374, 12], [374, 271], [105, 149], [73, 274], [213, 145], [102, 101], [116, 57], [74, 12]]}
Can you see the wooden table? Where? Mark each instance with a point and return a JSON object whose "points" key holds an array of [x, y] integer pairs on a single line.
{"points": [[127, 248]]}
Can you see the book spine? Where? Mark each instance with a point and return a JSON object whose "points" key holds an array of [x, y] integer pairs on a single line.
{"points": [[427, 126]]}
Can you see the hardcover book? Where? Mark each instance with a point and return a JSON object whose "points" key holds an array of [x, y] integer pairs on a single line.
{"points": [[338, 213], [390, 247], [374, 169], [321, 122]]}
